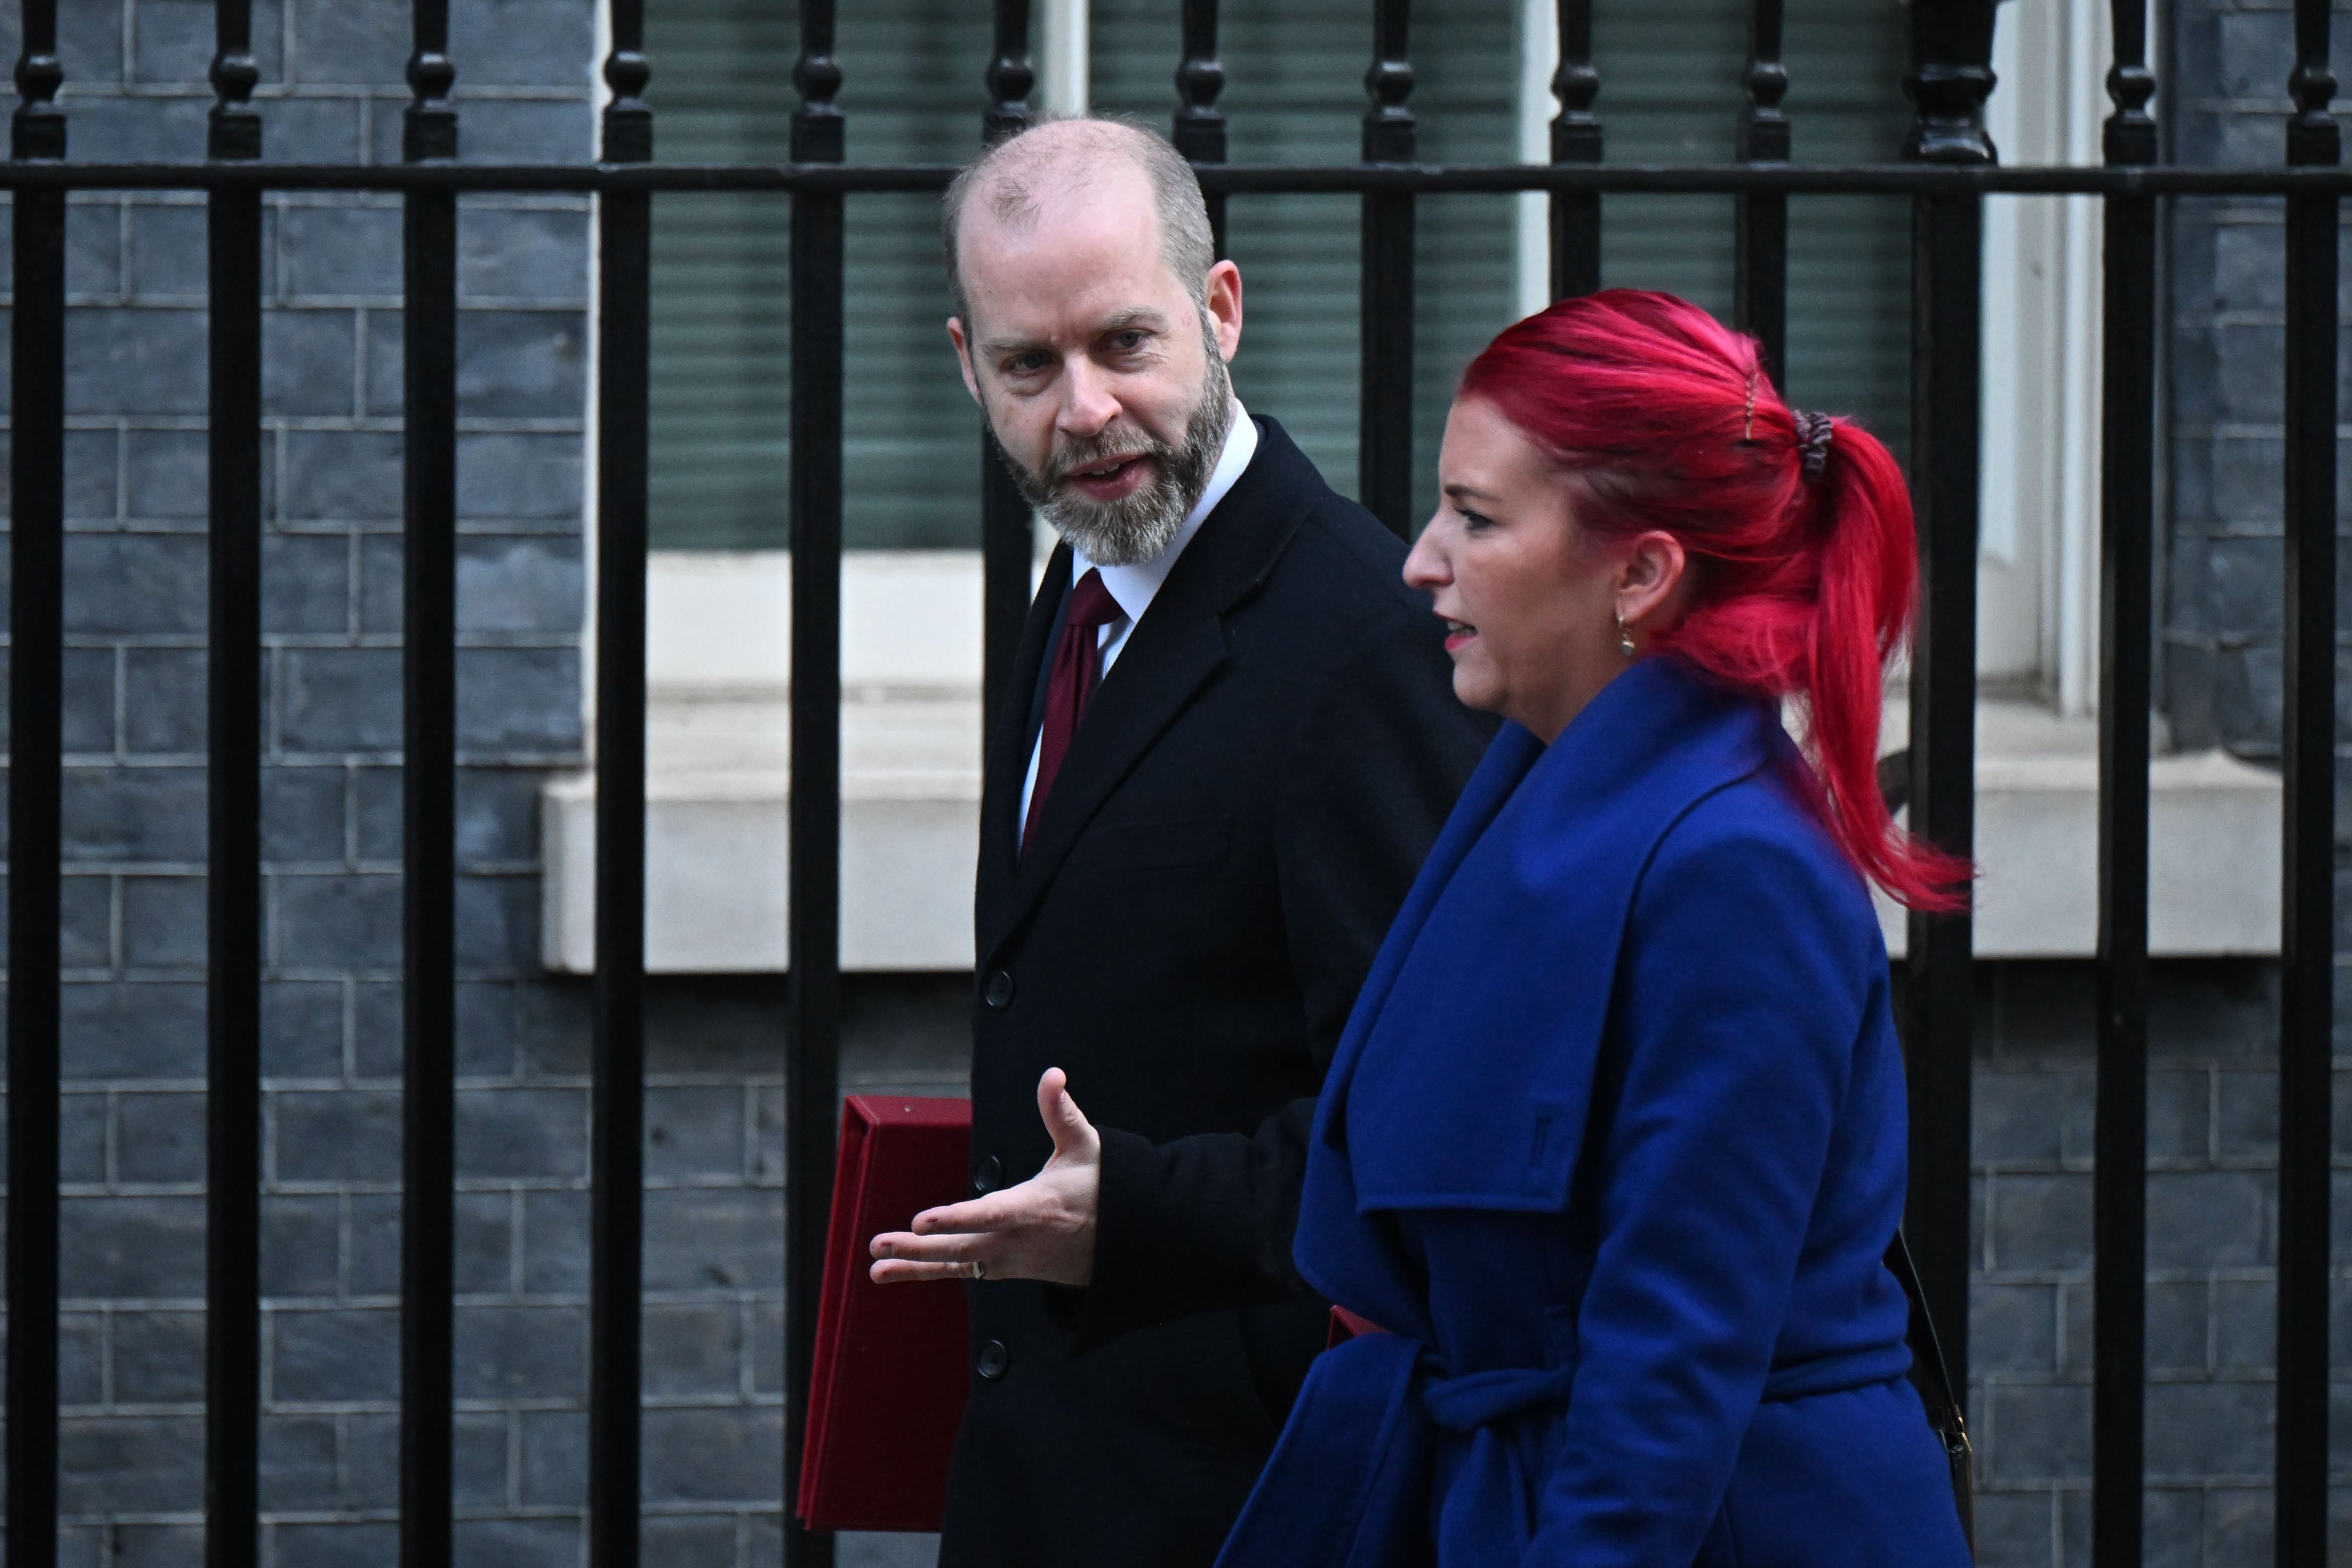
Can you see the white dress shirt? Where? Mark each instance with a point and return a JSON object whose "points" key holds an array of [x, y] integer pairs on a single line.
{"points": [[1133, 588]]}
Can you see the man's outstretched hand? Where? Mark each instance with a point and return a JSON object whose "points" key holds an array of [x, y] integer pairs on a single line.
{"points": [[1042, 1229]]}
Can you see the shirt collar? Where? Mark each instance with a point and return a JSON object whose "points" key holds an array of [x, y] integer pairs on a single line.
{"points": [[1134, 587]]}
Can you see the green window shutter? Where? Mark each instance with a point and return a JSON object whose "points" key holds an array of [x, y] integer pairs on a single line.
{"points": [[721, 386], [1850, 256], [722, 279], [1294, 93], [1670, 90]]}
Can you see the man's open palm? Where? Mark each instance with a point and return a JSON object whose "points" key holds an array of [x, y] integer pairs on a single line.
{"points": [[1043, 1228]]}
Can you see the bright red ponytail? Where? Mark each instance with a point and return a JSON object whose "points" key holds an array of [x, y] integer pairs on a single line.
{"points": [[1804, 585]]}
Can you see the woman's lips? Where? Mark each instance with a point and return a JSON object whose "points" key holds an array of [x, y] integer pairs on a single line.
{"points": [[1111, 481], [1458, 634]]}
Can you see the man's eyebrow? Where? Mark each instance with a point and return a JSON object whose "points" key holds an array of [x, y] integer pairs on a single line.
{"points": [[997, 348], [1140, 316]]}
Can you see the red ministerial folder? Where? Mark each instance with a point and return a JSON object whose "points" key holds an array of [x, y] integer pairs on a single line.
{"points": [[887, 1384]]}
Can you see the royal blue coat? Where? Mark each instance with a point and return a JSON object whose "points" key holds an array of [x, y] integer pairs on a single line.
{"points": [[1614, 1143]]}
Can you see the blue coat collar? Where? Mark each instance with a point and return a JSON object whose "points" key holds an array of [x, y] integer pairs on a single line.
{"points": [[1464, 1078]]}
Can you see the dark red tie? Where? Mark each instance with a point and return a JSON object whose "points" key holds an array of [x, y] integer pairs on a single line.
{"points": [[1078, 669]]}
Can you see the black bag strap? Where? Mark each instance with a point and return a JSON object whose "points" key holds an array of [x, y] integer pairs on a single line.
{"points": [[1925, 1347], [1944, 1417]]}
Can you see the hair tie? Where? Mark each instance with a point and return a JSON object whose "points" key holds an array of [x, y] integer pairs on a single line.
{"points": [[1813, 433]]}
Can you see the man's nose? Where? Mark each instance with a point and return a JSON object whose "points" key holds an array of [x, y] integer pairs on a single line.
{"points": [[1088, 405]]}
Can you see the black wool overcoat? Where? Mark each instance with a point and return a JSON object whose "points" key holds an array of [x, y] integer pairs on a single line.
{"points": [[1244, 804]]}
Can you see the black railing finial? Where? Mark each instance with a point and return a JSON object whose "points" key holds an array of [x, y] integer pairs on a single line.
{"points": [[2131, 129], [1387, 123], [1759, 273], [1576, 130], [1010, 75], [2313, 135], [818, 135], [39, 128], [1575, 139], [1200, 129], [429, 126], [1952, 77], [236, 130], [1763, 127], [628, 120]]}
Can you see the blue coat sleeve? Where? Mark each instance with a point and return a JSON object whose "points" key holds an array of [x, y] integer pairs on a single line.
{"points": [[1739, 1000]]}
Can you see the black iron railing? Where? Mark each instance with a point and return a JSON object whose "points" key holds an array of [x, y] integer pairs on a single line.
{"points": [[1949, 170]]}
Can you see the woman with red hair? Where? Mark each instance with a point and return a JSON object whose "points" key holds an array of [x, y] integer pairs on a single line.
{"points": [[1613, 1147]]}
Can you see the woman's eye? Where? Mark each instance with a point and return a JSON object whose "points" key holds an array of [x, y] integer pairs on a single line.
{"points": [[1477, 522]]}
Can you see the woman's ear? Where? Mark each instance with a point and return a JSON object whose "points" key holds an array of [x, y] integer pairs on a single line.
{"points": [[1647, 582]]}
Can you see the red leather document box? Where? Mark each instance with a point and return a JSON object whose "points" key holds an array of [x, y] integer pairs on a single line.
{"points": [[888, 1386]]}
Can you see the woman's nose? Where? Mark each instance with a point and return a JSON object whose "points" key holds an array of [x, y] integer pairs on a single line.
{"points": [[1424, 566]]}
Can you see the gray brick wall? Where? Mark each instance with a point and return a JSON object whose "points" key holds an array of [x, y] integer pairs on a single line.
{"points": [[2213, 1155], [2225, 104], [2213, 1094], [131, 1343]]}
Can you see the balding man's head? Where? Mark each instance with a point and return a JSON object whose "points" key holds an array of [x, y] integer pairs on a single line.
{"points": [[1093, 324], [1021, 181]]}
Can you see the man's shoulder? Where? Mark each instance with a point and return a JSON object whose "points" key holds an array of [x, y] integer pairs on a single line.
{"points": [[1338, 555]]}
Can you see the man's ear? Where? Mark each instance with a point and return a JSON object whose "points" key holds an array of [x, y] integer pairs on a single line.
{"points": [[1653, 571], [1223, 294], [963, 359]]}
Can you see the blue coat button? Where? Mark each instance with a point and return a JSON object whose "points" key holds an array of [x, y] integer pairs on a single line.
{"points": [[988, 1175], [993, 1359], [997, 989]]}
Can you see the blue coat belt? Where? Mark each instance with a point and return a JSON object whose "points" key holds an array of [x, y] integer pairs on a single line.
{"points": [[1614, 1144]]}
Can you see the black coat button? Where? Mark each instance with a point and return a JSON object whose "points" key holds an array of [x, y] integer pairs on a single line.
{"points": [[993, 1359], [997, 989], [988, 1175]]}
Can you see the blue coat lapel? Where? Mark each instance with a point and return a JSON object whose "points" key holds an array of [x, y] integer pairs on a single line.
{"points": [[1487, 1007]]}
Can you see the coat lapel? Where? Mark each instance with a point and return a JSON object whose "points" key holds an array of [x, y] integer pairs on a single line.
{"points": [[1007, 762], [1493, 1007], [1170, 655]]}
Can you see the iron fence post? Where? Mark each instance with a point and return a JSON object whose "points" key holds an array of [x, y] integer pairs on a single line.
{"points": [[1952, 74], [1575, 139], [1384, 426], [2308, 747], [233, 883], [37, 439], [812, 1064], [1198, 132], [2126, 654], [1759, 275], [428, 1004], [1006, 547], [616, 1155]]}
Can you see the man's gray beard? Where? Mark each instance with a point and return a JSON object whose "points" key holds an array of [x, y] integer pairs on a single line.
{"points": [[1135, 528]]}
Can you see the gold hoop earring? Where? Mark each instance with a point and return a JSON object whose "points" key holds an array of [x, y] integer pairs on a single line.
{"points": [[1625, 638]]}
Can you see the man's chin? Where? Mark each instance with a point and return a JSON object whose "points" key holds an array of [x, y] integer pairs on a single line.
{"points": [[1108, 539]]}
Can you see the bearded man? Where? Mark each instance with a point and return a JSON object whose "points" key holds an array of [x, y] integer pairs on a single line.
{"points": [[1230, 740]]}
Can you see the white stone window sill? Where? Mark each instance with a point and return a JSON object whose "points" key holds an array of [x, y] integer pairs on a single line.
{"points": [[2214, 842], [718, 754]]}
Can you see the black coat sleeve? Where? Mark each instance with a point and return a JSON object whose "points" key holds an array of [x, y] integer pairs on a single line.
{"points": [[1380, 755]]}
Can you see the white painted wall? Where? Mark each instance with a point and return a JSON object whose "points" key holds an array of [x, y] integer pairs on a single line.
{"points": [[2037, 625], [1066, 83], [1538, 57]]}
